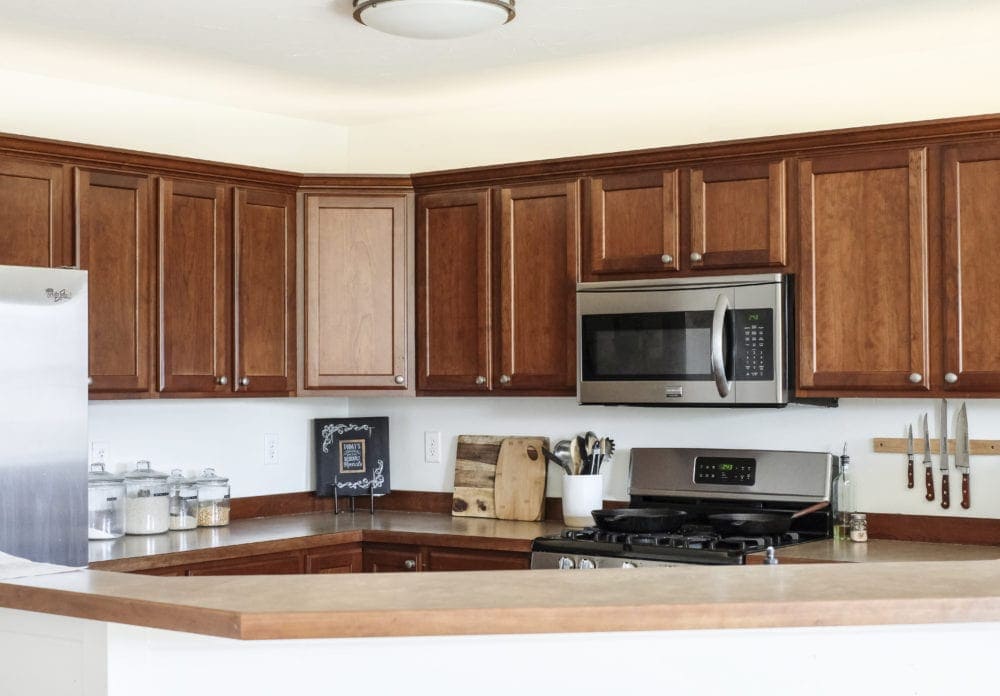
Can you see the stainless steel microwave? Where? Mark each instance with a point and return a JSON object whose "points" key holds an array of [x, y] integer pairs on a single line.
{"points": [[720, 341]]}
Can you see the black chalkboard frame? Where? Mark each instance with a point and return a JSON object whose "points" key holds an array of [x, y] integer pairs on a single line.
{"points": [[353, 455]]}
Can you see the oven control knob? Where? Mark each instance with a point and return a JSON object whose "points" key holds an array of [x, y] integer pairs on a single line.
{"points": [[629, 564], [565, 563], [587, 564]]}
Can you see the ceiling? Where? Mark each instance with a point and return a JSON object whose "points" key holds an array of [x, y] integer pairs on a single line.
{"points": [[310, 59]]}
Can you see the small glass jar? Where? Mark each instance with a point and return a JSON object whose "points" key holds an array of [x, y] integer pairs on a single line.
{"points": [[183, 501], [147, 500], [105, 504], [213, 499], [859, 527]]}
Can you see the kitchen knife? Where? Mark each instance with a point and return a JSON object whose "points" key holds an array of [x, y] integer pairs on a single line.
{"points": [[909, 456], [943, 464], [962, 452], [928, 464]]}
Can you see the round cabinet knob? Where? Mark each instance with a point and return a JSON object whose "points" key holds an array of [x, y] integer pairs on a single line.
{"points": [[695, 256], [222, 381], [587, 564], [90, 380], [951, 378], [480, 380], [399, 379], [667, 258], [244, 381], [504, 379], [565, 563], [409, 564], [916, 377]]}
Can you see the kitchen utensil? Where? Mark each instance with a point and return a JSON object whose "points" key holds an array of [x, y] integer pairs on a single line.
{"points": [[928, 464], [576, 454], [639, 520], [561, 450], [592, 441], [943, 463], [909, 456], [519, 482], [962, 453], [475, 475], [556, 460], [753, 523]]}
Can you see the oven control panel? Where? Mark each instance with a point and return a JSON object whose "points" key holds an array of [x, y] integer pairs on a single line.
{"points": [[755, 344], [737, 471]]}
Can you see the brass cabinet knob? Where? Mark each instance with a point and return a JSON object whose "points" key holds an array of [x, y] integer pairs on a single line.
{"points": [[695, 256], [951, 378], [916, 377], [222, 381], [480, 380], [504, 379], [667, 258]]}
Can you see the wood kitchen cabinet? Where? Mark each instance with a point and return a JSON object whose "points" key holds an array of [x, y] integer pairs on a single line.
{"points": [[264, 564], [34, 229], [496, 290], [357, 290], [114, 243], [344, 558], [390, 558], [862, 290], [442, 559]]}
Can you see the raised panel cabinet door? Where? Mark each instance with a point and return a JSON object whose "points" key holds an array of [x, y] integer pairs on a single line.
{"points": [[112, 221], [356, 314], [453, 265], [863, 286], [336, 559], [264, 282], [474, 559], [634, 223], [392, 559], [971, 291], [33, 229], [289, 563], [195, 287], [536, 344], [738, 215]]}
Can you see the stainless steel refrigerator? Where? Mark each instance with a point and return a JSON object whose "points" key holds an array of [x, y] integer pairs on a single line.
{"points": [[43, 414]]}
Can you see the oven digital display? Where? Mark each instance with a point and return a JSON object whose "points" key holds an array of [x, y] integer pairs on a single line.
{"points": [[735, 471]]}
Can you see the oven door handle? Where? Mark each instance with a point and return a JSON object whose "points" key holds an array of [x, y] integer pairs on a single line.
{"points": [[718, 360]]}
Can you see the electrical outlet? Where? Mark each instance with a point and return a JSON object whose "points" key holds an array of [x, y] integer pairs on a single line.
{"points": [[270, 449], [432, 447], [99, 452]]}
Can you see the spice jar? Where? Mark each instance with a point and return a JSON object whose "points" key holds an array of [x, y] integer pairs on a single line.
{"points": [[859, 527], [105, 504], [183, 501], [147, 500], [213, 499]]}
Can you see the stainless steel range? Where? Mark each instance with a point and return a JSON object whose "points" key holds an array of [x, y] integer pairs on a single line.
{"points": [[703, 507]]}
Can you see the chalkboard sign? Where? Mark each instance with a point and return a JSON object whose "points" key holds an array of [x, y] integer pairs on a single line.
{"points": [[353, 455]]}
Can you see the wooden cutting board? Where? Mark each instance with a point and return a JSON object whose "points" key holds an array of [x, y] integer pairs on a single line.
{"points": [[519, 483], [475, 474]]}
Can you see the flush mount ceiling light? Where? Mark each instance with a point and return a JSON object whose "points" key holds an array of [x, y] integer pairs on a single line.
{"points": [[433, 19]]}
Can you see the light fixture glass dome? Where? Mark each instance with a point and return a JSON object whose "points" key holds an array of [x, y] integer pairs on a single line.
{"points": [[433, 19]]}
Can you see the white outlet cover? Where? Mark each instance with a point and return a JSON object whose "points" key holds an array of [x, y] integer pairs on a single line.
{"points": [[271, 449], [432, 447], [99, 452]]}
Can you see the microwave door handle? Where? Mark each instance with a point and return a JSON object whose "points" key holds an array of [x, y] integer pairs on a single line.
{"points": [[718, 360]]}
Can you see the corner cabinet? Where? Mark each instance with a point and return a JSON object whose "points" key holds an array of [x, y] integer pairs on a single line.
{"points": [[496, 290], [357, 295]]}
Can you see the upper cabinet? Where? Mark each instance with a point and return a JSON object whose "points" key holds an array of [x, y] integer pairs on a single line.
{"points": [[34, 230], [496, 290], [113, 226], [863, 283], [357, 294]]}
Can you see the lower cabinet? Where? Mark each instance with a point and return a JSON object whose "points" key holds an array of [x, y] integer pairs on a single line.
{"points": [[476, 559], [383, 558], [288, 563], [335, 559]]}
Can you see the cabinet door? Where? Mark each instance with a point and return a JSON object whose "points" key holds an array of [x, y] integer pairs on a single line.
{"points": [[453, 291], [195, 287], [971, 290], [863, 291], [33, 230], [392, 559], [264, 237], [355, 333], [112, 224], [336, 559], [289, 563], [536, 343], [634, 223], [474, 559], [738, 215]]}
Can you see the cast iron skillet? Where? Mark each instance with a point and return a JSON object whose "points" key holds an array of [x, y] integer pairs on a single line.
{"points": [[639, 520], [755, 523]]}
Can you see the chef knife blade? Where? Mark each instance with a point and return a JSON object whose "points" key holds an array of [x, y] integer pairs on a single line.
{"points": [[928, 464], [909, 456], [943, 463], [962, 452]]}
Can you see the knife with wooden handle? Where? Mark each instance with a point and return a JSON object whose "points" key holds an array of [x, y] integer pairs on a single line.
{"points": [[962, 453], [928, 464], [943, 464], [909, 456]]}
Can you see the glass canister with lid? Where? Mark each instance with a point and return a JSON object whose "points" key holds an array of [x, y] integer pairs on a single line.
{"points": [[183, 501], [105, 504], [147, 500], [213, 499]]}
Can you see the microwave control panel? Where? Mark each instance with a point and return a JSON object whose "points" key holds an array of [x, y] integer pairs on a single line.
{"points": [[755, 344]]}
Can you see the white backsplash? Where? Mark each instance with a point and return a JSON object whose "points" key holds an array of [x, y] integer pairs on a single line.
{"points": [[229, 434]]}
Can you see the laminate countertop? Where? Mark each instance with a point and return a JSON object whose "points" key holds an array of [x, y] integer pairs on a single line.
{"points": [[879, 551]]}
